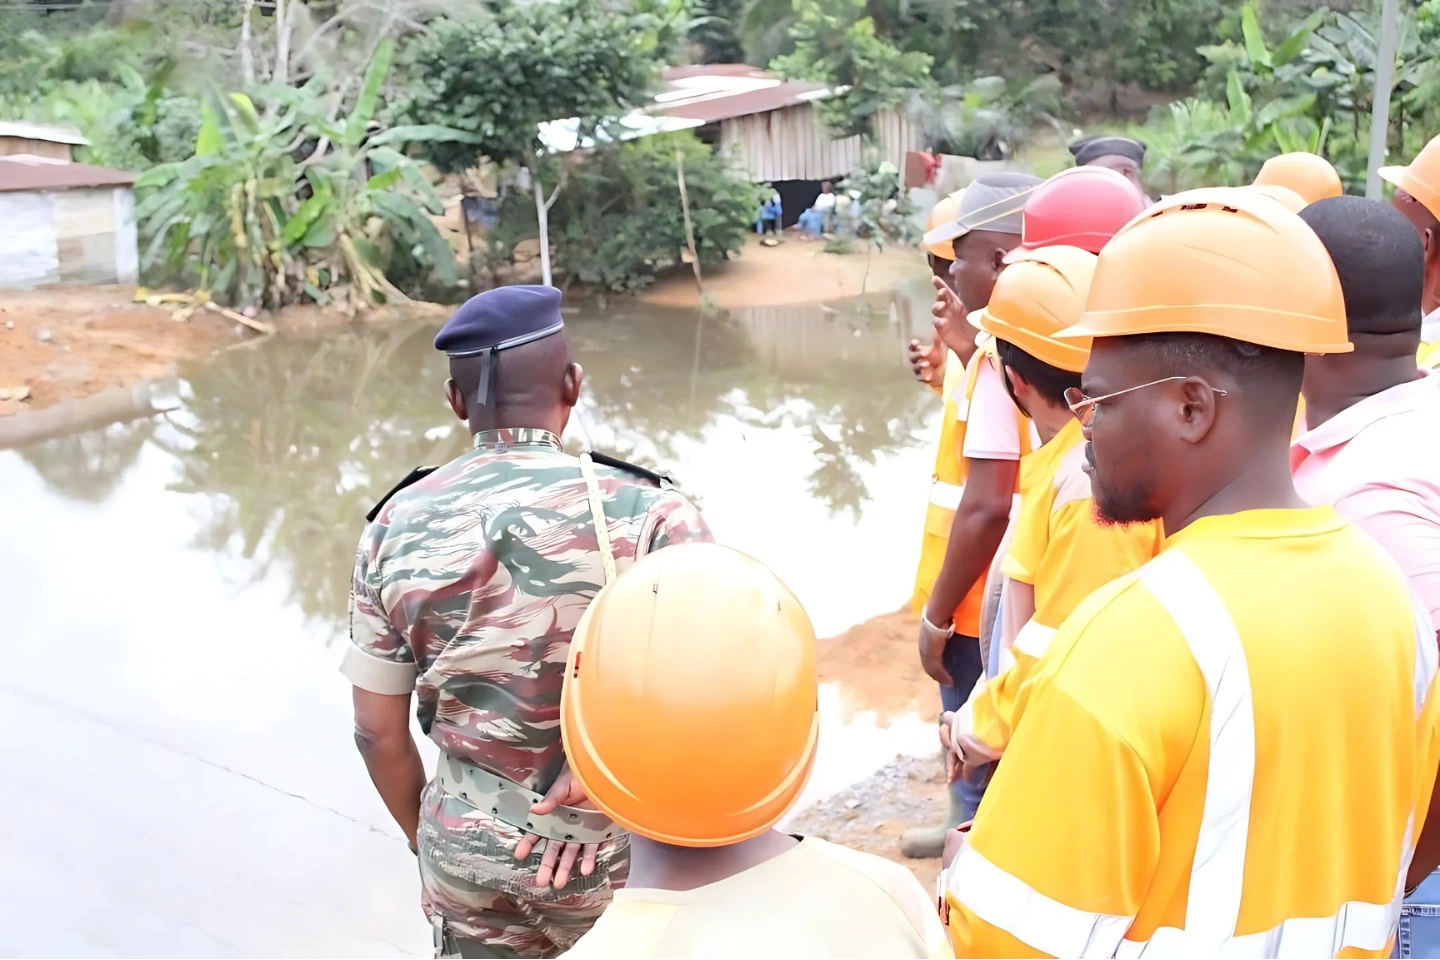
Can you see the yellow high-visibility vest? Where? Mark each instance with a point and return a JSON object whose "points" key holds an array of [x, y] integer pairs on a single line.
{"points": [[1227, 753], [948, 482], [1061, 550]]}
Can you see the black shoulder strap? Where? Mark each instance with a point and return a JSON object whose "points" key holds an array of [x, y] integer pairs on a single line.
{"points": [[419, 473], [659, 479]]}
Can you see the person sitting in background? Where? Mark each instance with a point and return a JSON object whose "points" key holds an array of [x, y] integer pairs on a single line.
{"points": [[1121, 154], [771, 212], [689, 710], [816, 221]]}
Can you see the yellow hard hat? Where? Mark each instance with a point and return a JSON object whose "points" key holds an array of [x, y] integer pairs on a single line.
{"points": [[1312, 177], [946, 211], [1041, 293], [1231, 263], [689, 709], [1421, 179]]}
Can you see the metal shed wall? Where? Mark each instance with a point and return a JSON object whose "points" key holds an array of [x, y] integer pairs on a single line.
{"points": [[791, 144]]}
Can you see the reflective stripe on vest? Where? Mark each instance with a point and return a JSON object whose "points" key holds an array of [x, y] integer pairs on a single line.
{"points": [[945, 495], [1007, 902], [1034, 639], [1218, 872]]}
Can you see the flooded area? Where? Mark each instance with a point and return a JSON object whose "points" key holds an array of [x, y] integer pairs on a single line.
{"points": [[181, 778]]}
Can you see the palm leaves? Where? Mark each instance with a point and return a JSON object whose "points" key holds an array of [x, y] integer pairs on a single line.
{"points": [[282, 201]]}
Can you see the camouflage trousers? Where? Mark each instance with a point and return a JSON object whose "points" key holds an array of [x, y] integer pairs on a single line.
{"points": [[484, 903]]}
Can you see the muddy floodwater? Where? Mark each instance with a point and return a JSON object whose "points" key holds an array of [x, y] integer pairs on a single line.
{"points": [[180, 778]]}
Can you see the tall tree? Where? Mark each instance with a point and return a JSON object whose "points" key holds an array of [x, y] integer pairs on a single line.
{"points": [[502, 73]]}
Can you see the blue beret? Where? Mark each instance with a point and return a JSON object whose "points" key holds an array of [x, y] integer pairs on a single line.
{"points": [[500, 319]]}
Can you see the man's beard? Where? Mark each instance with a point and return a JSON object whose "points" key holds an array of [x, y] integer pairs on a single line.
{"points": [[1119, 506]]}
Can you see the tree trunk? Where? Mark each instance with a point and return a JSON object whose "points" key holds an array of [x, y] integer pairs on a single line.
{"points": [[685, 210], [283, 26], [247, 55], [542, 214]]}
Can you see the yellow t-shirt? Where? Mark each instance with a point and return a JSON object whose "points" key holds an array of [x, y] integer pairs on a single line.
{"points": [[1061, 549], [1262, 693], [815, 900]]}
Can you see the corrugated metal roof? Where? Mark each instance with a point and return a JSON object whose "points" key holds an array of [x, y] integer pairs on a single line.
{"points": [[42, 131], [728, 105], [34, 173]]}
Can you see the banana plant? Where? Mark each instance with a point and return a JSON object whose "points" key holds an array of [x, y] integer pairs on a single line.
{"points": [[290, 202]]}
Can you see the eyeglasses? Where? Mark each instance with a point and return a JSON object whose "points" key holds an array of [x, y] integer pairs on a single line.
{"points": [[1084, 407]]}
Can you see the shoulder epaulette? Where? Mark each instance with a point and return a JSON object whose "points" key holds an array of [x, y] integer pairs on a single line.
{"points": [[419, 473], [662, 480]]}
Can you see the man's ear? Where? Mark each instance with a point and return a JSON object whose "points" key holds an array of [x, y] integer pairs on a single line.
{"points": [[570, 388], [456, 400], [997, 260], [1197, 410], [1430, 299]]}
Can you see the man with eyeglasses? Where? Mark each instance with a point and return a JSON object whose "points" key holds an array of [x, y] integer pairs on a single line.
{"points": [[1230, 751]]}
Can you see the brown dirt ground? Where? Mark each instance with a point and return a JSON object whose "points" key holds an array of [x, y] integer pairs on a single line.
{"points": [[66, 342], [796, 271], [876, 665]]}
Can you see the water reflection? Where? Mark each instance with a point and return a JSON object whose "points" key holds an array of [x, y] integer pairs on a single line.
{"points": [[221, 535], [88, 467], [293, 441]]}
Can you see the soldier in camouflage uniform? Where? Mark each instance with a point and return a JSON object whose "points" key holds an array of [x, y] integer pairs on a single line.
{"points": [[469, 582]]}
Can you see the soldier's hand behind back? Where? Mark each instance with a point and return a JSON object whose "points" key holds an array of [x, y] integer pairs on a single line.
{"points": [[559, 856]]}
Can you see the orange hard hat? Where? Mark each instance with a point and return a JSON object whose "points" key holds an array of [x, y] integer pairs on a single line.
{"points": [[1422, 178], [1288, 198], [946, 211], [1080, 207], [1041, 293], [1312, 177], [689, 709], [1227, 262]]}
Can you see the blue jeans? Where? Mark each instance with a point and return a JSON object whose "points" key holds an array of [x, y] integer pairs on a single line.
{"points": [[1419, 934], [962, 662], [812, 222]]}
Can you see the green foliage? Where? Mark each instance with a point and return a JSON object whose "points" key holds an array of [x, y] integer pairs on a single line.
{"points": [[837, 45], [246, 220], [1309, 87], [113, 85], [502, 72], [992, 118], [618, 224], [713, 37], [880, 210]]}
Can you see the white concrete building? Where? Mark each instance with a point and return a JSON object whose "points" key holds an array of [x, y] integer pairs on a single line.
{"points": [[63, 222]]}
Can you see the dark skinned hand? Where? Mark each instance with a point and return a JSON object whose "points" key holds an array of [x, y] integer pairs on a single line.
{"points": [[559, 856]]}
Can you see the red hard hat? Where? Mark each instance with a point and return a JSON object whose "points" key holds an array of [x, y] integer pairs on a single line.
{"points": [[1081, 207]]}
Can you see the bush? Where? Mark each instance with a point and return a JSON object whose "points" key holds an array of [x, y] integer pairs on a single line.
{"points": [[619, 224]]}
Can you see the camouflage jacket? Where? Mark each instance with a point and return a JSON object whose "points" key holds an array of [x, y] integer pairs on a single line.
{"points": [[470, 582]]}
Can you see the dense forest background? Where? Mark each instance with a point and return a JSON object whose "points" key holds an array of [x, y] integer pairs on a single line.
{"points": [[304, 149]]}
